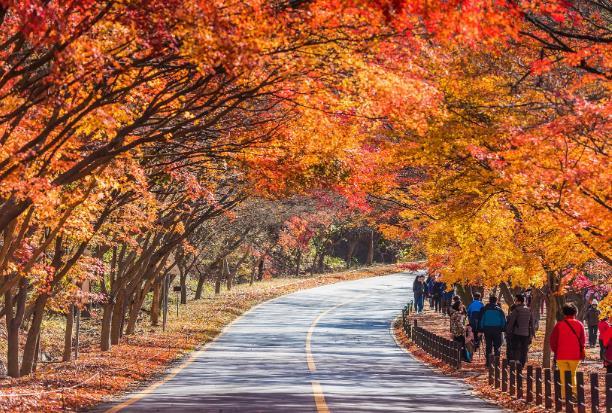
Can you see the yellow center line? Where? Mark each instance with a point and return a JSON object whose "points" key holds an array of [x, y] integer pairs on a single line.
{"points": [[309, 359], [317, 390]]}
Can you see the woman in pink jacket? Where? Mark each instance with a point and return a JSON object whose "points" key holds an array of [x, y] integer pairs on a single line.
{"points": [[567, 342]]}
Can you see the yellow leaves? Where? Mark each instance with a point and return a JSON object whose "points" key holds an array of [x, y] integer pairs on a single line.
{"points": [[482, 248]]}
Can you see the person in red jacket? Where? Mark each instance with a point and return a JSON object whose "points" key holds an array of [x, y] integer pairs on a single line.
{"points": [[567, 342], [605, 341], [603, 327]]}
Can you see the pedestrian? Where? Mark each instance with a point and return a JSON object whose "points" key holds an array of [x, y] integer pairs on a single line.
{"points": [[438, 290], [447, 298], [473, 313], [470, 343], [457, 325], [591, 317], [606, 342], [520, 328], [429, 283], [492, 324], [567, 342], [604, 328], [418, 289]]}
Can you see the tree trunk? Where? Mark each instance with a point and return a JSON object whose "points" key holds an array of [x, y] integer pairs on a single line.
{"points": [[29, 350], [536, 304], [219, 279], [253, 271], [183, 282], [370, 257], [298, 262], [506, 294], [117, 320], [14, 318], [551, 319], [105, 334], [229, 277], [200, 287], [321, 263], [260, 269], [135, 309], [464, 292], [352, 244], [36, 353], [156, 304], [68, 334]]}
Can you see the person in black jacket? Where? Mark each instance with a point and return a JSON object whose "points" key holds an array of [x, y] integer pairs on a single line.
{"points": [[591, 317], [418, 288], [519, 327], [437, 293]]}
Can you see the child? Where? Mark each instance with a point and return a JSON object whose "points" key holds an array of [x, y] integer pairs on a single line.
{"points": [[470, 345]]}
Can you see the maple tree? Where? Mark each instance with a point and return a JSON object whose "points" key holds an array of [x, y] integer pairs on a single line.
{"points": [[142, 140]]}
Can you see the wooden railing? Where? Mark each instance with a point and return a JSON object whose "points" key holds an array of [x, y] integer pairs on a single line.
{"points": [[443, 349], [535, 385]]}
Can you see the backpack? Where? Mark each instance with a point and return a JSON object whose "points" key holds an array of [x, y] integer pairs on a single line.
{"points": [[492, 317]]}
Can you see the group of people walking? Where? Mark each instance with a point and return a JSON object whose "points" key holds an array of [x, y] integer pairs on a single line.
{"points": [[433, 290], [489, 323]]}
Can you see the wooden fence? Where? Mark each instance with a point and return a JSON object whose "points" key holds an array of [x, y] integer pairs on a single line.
{"points": [[535, 385], [443, 349], [542, 386]]}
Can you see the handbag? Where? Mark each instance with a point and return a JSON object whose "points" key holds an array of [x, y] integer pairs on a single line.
{"points": [[582, 351]]}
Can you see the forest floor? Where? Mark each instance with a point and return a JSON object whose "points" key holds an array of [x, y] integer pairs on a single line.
{"points": [[476, 375], [97, 376]]}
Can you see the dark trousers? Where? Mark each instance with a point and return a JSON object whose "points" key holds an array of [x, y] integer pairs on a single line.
{"points": [[520, 347], [602, 350], [437, 301], [476, 335], [493, 342], [418, 302], [592, 335], [461, 340]]}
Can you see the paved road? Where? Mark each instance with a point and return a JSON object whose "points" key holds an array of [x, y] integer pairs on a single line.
{"points": [[319, 350]]}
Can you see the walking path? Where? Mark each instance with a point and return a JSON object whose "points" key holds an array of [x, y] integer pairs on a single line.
{"points": [[327, 349]]}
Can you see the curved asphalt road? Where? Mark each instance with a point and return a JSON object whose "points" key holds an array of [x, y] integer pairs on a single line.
{"points": [[327, 349]]}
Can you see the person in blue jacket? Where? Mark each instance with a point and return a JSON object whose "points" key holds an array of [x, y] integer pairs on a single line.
{"points": [[492, 323], [473, 313]]}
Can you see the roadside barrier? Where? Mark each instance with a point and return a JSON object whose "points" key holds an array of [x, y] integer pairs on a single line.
{"points": [[519, 383], [443, 349]]}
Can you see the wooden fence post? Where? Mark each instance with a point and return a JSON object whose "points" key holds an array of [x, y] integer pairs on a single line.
{"points": [[608, 392], [538, 386], [547, 389], [529, 384], [569, 396], [519, 382], [557, 383], [497, 372], [581, 405], [504, 372], [594, 379]]}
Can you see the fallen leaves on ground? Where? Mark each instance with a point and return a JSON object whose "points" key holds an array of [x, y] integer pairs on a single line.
{"points": [[98, 376]]}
